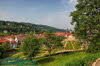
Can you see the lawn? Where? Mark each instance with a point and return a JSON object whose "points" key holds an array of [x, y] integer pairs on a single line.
{"points": [[65, 59], [69, 59]]}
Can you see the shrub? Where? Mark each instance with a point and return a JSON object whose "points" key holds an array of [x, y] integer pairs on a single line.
{"points": [[1, 52], [5, 46], [30, 46]]}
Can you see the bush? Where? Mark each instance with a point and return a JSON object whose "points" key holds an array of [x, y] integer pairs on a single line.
{"points": [[5, 46], [1, 52], [86, 61], [94, 46], [30, 46]]}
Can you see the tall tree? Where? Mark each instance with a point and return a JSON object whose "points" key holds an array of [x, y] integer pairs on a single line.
{"points": [[51, 41], [1, 52], [5, 46], [30, 46], [87, 22]]}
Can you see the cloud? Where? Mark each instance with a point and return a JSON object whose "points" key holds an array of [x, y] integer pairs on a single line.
{"points": [[69, 4], [41, 15], [9, 16], [73, 1], [70, 1], [59, 19]]}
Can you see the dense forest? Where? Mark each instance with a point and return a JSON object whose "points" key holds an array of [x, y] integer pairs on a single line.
{"points": [[22, 27]]}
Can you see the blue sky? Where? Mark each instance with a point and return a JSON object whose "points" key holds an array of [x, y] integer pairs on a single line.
{"points": [[47, 12]]}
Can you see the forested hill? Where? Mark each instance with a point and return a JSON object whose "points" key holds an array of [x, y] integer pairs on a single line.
{"points": [[48, 28], [21, 27]]}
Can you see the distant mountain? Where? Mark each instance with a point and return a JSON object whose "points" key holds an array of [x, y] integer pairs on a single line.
{"points": [[48, 28], [22, 27]]}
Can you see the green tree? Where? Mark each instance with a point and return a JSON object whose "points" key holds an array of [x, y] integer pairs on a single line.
{"points": [[51, 41], [5, 46], [1, 52], [87, 22], [3, 49], [30, 46]]}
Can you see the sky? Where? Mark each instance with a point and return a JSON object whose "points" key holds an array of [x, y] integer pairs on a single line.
{"points": [[55, 13]]}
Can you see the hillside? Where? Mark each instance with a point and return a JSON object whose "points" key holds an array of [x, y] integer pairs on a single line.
{"points": [[16, 27], [48, 28]]}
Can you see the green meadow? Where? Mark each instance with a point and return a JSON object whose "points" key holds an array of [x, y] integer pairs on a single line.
{"points": [[79, 58]]}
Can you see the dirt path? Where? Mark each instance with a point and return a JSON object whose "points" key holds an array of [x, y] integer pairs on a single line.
{"points": [[62, 51], [96, 63]]}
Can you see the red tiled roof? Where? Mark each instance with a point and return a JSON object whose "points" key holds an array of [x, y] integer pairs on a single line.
{"points": [[13, 41], [3, 40], [60, 34], [68, 34], [7, 37], [41, 35]]}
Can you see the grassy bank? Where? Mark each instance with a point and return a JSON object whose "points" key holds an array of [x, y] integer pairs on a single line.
{"points": [[65, 59], [69, 59]]}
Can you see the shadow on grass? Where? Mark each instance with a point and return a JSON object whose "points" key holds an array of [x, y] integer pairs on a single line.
{"points": [[8, 53], [46, 60], [51, 58]]}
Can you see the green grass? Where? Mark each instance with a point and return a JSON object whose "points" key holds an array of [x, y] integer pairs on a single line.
{"points": [[69, 59], [65, 59], [71, 45]]}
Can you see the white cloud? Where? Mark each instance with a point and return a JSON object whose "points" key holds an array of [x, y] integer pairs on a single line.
{"points": [[58, 19], [69, 5], [73, 1], [9, 16]]}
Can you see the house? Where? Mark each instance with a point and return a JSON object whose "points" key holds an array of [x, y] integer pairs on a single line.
{"points": [[10, 40], [11, 44], [19, 39], [69, 34], [1, 37], [2, 40], [41, 36], [63, 34], [60, 34], [13, 40], [5, 31]]}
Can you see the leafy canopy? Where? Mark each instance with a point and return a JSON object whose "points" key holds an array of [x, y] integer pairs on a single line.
{"points": [[87, 22]]}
